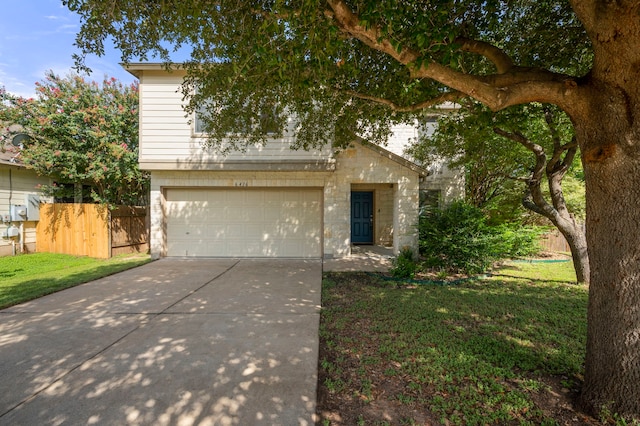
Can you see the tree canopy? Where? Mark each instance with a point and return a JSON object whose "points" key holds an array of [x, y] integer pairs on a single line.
{"points": [[353, 67], [82, 133], [356, 66]]}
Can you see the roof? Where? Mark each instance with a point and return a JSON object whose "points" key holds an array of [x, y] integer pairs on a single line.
{"points": [[10, 156], [137, 68]]}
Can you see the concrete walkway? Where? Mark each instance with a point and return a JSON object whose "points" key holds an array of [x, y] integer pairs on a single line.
{"points": [[363, 258], [174, 342]]}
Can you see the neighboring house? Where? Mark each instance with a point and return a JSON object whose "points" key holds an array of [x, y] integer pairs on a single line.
{"points": [[269, 201], [19, 203]]}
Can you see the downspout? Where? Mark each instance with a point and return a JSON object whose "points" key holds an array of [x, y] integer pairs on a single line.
{"points": [[22, 237], [10, 188], [13, 242]]}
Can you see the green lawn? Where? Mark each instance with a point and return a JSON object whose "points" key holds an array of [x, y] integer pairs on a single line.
{"points": [[490, 351], [30, 276]]}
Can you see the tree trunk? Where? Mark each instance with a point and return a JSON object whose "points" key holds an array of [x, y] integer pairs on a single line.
{"points": [[574, 235], [577, 241], [609, 140]]}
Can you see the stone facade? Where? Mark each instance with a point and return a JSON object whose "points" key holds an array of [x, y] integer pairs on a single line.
{"points": [[396, 197], [395, 188]]}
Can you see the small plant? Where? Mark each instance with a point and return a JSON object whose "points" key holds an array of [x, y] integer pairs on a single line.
{"points": [[334, 386], [442, 274], [404, 265], [607, 417]]}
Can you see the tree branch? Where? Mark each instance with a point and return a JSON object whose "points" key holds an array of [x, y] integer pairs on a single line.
{"points": [[449, 96], [528, 203], [349, 23], [585, 11], [498, 57], [534, 182], [511, 86]]}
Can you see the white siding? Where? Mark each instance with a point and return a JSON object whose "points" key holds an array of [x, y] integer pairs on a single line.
{"points": [[167, 137], [401, 136], [15, 184], [449, 181]]}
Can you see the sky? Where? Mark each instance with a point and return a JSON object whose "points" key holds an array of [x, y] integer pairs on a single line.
{"points": [[38, 35]]}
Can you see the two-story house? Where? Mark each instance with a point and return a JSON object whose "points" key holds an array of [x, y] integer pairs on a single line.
{"points": [[269, 201]]}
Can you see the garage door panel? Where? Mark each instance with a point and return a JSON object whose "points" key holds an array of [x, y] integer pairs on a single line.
{"points": [[244, 223], [215, 213]]}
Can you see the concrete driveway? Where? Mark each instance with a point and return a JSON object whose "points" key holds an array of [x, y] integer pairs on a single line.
{"points": [[174, 342]]}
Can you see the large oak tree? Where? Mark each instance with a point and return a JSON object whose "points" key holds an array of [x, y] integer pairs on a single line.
{"points": [[345, 66]]}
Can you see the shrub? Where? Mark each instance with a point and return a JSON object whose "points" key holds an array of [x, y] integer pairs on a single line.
{"points": [[515, 240], [458, 238], [404, 266]]}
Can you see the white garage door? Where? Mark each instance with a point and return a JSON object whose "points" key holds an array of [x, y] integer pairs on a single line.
{"points": [[244, 222]]}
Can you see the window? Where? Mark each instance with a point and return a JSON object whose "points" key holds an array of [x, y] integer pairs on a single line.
{"points": [[198, 124]]}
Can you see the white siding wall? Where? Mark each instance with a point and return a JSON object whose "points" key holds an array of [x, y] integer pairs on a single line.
{"points": [[166, 137], [449, 181], [176, 157], [22, 182]]}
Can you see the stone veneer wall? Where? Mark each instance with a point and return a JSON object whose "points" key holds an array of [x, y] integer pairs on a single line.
{"points": [[356, 165]]}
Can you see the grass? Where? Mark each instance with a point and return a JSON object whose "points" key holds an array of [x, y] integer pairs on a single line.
{"points": [[480, 352], [29, 276]]}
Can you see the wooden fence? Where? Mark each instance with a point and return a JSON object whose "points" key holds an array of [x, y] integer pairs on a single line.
{"points": [[554, 241], [91, 230]]}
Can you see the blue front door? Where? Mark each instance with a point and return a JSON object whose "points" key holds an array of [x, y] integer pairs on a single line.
{"points": [[362, 217]]}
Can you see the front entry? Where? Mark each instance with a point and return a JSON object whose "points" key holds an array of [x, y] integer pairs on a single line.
{"points": [[362, 217]]}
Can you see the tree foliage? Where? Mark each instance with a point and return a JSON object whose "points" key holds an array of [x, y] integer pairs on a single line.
{"points": [[533, 145], [82, 133], [458, 238], [293, 56], [498, 168]]}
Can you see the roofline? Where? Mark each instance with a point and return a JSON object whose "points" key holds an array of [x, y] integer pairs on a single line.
{"points": [[136, 68], [9, 164]]}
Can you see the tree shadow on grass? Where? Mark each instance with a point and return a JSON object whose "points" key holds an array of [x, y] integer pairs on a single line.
{"points": [[483, 339]]}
